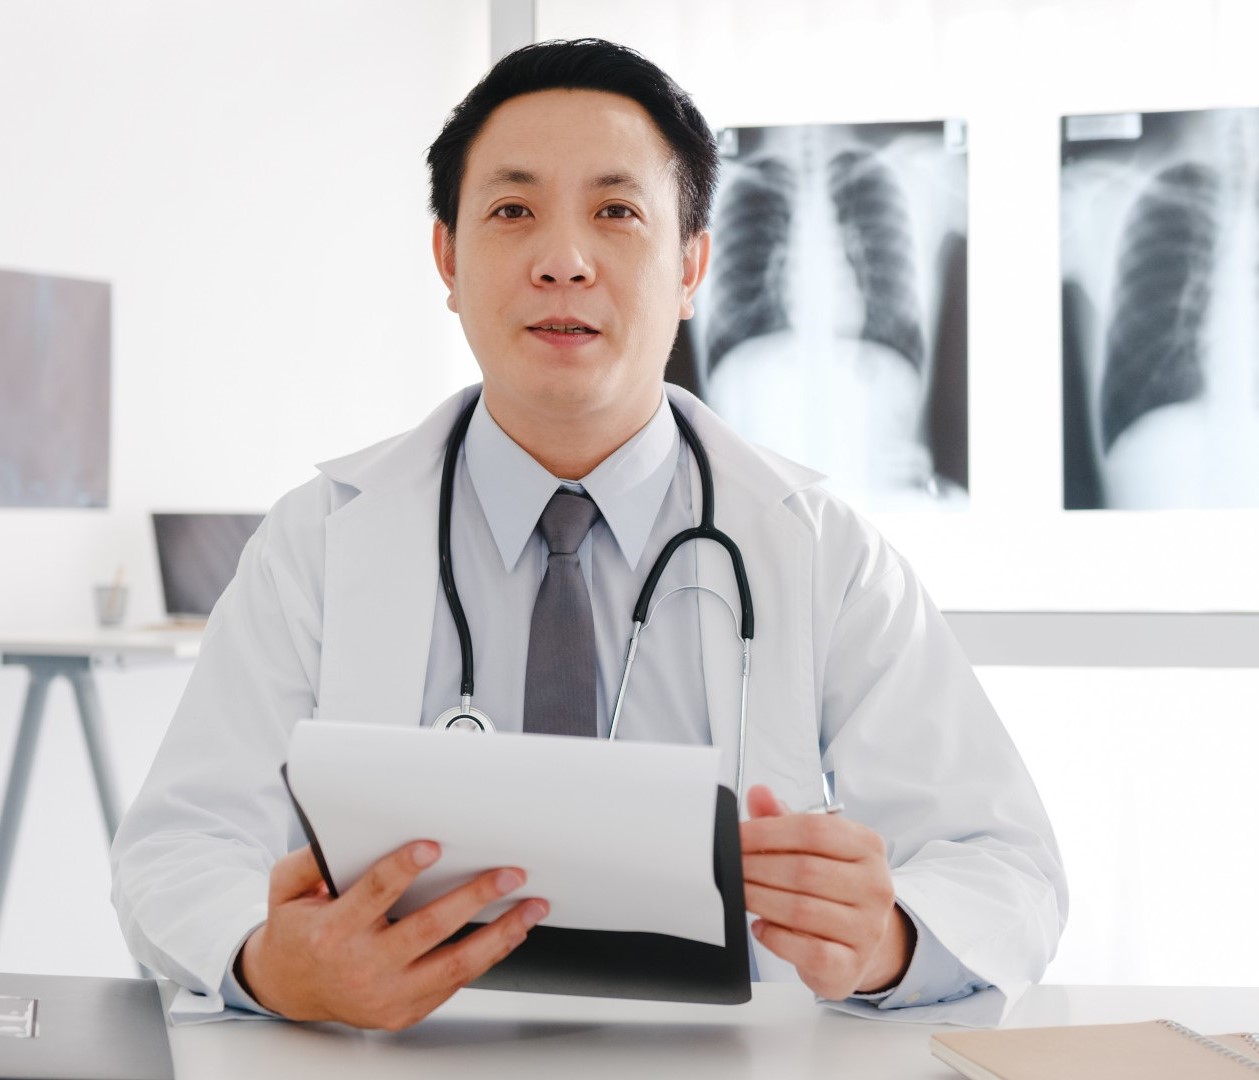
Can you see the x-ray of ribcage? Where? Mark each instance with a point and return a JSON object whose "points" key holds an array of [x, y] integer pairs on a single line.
{"points": [[1160, 325], [54, 391], [832, 325]]}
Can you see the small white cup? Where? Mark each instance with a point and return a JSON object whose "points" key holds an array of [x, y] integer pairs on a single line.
{"points": [[111, 604]]}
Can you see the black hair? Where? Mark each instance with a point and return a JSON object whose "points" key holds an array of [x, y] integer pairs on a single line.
{"points": [[584, 64]]}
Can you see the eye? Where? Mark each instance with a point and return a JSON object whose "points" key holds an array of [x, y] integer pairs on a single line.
{"points": [[617, 212], [511, 212]]}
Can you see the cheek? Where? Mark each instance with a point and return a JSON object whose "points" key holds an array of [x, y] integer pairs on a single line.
{"points": [[658, 290]]}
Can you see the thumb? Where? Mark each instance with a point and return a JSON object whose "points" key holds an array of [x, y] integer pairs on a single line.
{"points": [[294, 876], [762, 803]]}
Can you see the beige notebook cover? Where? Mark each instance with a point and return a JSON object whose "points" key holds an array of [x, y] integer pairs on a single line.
{"points": [[1154, 1050]]}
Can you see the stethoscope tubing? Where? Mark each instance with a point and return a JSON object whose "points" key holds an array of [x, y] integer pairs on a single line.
{"points": [[705, 530]]}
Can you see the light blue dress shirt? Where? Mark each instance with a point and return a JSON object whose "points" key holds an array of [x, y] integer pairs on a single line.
{"points": [[643, 492]]}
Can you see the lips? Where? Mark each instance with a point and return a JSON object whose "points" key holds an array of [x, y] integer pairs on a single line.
{"points": [[564, 326]]}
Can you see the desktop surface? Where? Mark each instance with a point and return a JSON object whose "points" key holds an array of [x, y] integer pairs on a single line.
{"points": [[779, 1033]]}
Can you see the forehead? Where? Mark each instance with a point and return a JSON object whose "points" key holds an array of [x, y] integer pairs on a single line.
{"points": [[561, 134]]}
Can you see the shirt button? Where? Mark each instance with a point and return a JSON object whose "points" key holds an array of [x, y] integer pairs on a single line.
{"points": [[914, 998]]}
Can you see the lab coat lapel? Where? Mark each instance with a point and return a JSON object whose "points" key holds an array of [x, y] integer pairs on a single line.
{"points": [[381, 576], [782, 740], [782, 748]]}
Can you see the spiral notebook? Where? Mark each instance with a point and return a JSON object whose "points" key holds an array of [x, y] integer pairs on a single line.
{"points": [[1154, 1050]]}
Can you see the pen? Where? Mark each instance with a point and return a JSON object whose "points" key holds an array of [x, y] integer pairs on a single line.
{"points": [[829, 804]]}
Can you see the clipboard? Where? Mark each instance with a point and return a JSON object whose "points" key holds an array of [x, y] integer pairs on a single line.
{"points": [[623, 964]]}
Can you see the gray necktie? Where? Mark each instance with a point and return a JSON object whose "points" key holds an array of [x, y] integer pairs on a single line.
{"points": [[560, 673]]}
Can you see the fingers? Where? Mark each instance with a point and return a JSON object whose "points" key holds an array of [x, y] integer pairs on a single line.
{"points": [[436, 977], [827, 835], [455, 965], [294, 876], [815, 915], [813, 875], [368, 900], [762, 803], [839, 962], [429, 926]]}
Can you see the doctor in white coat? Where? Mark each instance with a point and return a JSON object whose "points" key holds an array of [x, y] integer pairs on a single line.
{"points": [[572, 189]]}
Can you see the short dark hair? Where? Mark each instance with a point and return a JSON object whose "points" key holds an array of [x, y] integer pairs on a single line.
{"points": [[584, 64]]}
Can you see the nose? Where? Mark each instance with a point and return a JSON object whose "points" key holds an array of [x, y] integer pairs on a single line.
{"points": [[561, 258]]}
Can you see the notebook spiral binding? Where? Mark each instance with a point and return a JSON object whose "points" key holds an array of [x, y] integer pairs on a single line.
{"points": [[1211, 1044]]}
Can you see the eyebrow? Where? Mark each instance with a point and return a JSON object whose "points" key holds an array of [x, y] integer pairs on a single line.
{"points": [[620, 180], [506, 177], [510, 177]]}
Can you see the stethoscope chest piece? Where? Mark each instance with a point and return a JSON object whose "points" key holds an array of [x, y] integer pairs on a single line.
{"points": [[464, 718]]}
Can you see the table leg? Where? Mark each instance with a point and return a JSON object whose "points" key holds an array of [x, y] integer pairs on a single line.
{"points": [[92, 719], [20, 768]]}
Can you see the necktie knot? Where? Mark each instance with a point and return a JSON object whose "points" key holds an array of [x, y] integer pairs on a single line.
{"points": [[566, 520]]}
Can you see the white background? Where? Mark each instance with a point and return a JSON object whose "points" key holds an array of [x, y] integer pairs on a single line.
{"points": [[249, 177]]}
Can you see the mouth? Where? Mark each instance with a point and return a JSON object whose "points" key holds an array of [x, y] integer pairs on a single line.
{"points": [[573, 328]]}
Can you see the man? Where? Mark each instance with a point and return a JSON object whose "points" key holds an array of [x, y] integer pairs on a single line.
{"points": [[571, 190]]}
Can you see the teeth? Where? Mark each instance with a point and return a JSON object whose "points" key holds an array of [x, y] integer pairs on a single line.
{"points": [[565, 328]]}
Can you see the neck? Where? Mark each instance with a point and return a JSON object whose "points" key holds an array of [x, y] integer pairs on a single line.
{"points": [[570, 443]]}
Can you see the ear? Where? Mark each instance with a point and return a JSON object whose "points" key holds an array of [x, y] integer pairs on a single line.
{"points": [[444, 257], [694, 267]]}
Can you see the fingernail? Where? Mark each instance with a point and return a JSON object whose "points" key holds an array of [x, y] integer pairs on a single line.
{"points": [[424, 853], [534, 912], [508, 880], [758, 928]]}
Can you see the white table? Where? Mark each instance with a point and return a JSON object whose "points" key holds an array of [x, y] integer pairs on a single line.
{"points": [[75, 656], [781, 1033]]}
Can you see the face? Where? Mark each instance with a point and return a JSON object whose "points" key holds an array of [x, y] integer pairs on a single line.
{"points": [[567, 267]]}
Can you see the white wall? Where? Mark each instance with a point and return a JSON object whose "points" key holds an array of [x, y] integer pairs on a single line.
{"points": [[249, 176], [1148, 777]]}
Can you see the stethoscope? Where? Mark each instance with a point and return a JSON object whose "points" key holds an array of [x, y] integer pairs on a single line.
{"points": [[466, 717]]}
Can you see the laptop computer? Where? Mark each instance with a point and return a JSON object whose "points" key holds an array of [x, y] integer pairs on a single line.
{"points": [[60, 1027], [197, 556]]}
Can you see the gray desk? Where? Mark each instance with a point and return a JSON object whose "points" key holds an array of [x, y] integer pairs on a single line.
{"points": [[780, 1033], [75, 657]]}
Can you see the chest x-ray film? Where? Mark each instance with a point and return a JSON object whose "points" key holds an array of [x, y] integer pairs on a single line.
{"points": [[832, 325], [1160, 320], [54, 391]]}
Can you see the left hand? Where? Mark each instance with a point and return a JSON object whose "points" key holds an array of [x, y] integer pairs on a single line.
{"points": [[822, 888]]}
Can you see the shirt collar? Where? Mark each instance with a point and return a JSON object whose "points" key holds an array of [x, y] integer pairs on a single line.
{"points": [[629, 486]]}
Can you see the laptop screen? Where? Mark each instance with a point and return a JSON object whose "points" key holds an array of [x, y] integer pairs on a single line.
{"points": [[197, 556]]}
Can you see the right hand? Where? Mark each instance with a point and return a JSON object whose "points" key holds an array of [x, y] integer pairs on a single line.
{"points": [[316, 958]]}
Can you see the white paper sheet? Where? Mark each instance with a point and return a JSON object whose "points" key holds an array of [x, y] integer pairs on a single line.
{"points": [[615, 835]]}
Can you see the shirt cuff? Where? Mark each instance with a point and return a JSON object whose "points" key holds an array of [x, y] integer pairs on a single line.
{"points": [[934, 976], [234, 995]]}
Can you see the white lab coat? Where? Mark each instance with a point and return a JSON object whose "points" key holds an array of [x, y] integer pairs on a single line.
{"points": [[331, 614]]}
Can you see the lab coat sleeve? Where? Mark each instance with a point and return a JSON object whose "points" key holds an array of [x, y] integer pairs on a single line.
{"points": [[192, 857], [921, 757]]}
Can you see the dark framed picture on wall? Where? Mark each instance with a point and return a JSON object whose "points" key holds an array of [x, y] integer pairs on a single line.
{"points": [[54, 391]]}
